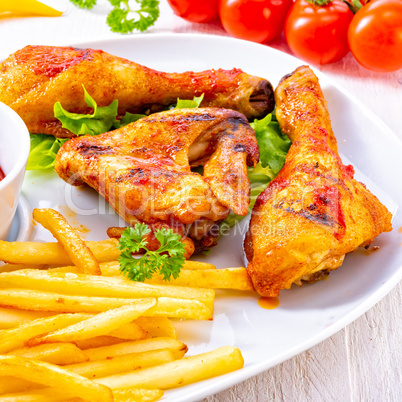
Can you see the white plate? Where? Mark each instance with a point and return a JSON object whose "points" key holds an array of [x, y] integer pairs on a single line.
{"points": [[306, 315]]}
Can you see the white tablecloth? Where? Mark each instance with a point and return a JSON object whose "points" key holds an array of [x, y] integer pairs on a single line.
{"points": [[363, 361]]}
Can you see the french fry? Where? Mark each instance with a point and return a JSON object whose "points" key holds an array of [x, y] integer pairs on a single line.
{"points": [[225, 278], [112, 268], [121, 364], [92, 285], [17, 267], [68, 269], [16, 337], [59, 353], [195, 274], [97, 325], [178, 348], [54, 376], [27, 299], [75, 247], [97, 342], [179, 372], [11, 317], [131, 331], [180, 308], [47, 301], [57, 395], [137, 395], [10, 385], [39, 395], [157, 326], [33, 254], [197, 265]]}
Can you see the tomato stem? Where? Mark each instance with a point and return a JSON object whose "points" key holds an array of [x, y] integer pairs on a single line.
{"points": [[354, 5], [320, 3]]}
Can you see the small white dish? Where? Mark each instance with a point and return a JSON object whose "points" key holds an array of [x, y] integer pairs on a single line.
{"points": [[22, 226], [14, 152]]}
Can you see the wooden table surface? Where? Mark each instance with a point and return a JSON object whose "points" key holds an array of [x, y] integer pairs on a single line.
{"points": [[363, 361]]}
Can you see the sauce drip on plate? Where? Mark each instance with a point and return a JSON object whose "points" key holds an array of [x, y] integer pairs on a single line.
{"points": [[2, 175], [268, 303]]}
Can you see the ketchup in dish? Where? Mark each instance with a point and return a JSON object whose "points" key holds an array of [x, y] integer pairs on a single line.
{"points": [[2, 175]]}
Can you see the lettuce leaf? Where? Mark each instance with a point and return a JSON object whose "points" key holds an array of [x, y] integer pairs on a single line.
{"points": [[100, 121], [43, 151], [260, 174], [273, 144], [189, 104], [127, 119]]}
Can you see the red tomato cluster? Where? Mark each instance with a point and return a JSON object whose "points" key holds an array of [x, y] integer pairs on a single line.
{"points": [[317, 31]]}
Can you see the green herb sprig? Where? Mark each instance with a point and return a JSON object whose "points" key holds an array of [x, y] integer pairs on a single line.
{"points": [[167, 260], [88, 4], [145, 14]]}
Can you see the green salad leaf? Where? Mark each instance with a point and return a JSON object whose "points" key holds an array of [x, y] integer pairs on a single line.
{"points": [[127, 119], [189, 104], [259, 174], [100, 121], [273, 144], [43, 151]]}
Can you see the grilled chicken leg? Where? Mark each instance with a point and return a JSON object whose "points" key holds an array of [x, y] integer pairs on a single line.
{"points": [[314, 212], [33, 79], [143, 169]]}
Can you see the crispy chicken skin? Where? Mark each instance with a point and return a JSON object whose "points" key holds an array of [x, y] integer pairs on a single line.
{"points": [[314, 212], [143, 169], [33, 79]]}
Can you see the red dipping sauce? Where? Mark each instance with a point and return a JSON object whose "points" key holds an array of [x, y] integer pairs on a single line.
{"points": [[2, 175]]}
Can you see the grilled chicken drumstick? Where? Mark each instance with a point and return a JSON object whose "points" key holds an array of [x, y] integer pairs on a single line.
{"points": [[314, 212], [33, 79], [143, 169]]}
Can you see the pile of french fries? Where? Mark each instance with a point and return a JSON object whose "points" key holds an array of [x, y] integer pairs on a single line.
{"points": [[73, 328]]}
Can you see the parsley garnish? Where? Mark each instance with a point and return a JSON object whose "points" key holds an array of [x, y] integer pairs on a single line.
{"points": [[88, 4], [144, 14], [147, 13], [167, 260]]}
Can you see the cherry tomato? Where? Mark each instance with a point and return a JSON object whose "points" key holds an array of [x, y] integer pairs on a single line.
{"points": [[318, 35], [255, 20], [375, 35], [196, 10]]}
